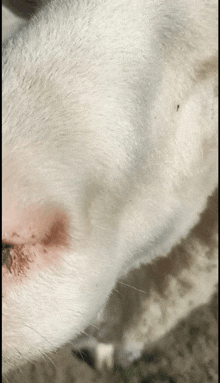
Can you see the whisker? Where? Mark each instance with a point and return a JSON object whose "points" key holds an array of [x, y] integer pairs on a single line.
{"points": [[132, 287], [89, 323], [46, 356], [81, 354], [24, 357], [39, 334], [92, 325], [83, 332], [119, 293]]}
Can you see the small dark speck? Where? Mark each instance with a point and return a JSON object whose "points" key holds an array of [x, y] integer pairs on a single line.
{"points": [[15, 235], [177, 108], [33, 236]]}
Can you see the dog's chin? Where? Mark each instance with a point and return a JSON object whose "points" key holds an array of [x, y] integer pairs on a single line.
{"points": [[71, 293]]}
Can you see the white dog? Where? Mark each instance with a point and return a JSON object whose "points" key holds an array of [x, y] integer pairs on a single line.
{"points": [[109, 154]]}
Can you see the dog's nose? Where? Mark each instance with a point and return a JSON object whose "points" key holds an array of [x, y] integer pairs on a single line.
{"points": [[6, 253]]}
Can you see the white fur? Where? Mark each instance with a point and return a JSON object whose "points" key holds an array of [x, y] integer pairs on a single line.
{"points": [[109, 113]]}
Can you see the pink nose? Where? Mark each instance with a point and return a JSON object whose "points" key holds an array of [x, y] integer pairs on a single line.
{"points": [[46, 226], [40, 238]]}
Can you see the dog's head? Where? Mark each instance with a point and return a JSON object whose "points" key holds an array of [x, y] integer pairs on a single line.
{"points": [[108, 157]]}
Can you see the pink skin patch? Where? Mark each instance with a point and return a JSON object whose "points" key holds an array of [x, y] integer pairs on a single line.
{"points": [[39, 239]]}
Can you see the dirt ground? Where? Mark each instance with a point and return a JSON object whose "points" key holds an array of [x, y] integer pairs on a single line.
{"points": [[188, 354]]}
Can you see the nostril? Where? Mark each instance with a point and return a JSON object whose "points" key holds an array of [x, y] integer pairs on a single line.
{"points": [[14, 258], [32, 242], [6, 248]]}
